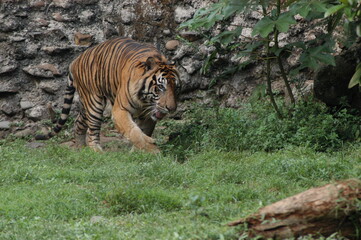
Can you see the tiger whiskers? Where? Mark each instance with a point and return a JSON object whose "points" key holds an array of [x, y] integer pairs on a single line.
{"points": [[148, 111]]}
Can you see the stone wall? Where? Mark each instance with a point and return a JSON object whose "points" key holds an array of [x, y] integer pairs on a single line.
{"points": [[39, 38]]}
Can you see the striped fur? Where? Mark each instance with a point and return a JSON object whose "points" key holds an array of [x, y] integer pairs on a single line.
{"points": [[136, 78]]}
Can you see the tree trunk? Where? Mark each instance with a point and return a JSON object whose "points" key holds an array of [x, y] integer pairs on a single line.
{"points": [[320, 211]]}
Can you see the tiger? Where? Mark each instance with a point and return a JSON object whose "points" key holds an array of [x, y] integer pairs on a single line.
{"points": [[136, 78]]}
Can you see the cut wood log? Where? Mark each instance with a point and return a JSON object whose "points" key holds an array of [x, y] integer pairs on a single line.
{"points": [[322, 211]]}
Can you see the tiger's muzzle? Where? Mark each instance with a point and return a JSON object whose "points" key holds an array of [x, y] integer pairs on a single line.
{"points": [[159, 113]]}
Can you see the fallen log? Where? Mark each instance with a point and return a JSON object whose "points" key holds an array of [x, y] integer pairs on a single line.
{"points": [[322, 211]]}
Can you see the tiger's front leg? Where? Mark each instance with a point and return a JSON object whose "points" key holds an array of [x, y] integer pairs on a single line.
{"points": [[124, 123]]}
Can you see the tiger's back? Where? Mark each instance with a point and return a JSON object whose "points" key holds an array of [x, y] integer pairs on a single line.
{"points": [[102, 68]]}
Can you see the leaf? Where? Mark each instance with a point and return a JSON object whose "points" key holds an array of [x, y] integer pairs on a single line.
{"points": [[326, 58], [264, 27], [284, 21], [249, 49], [208, 62], [304, 10], [224, 37], [308, 61], [334, 9], [296, 71], [204, 18], [313, 56], [207, 17], [356, 78], [358, 30], [227, 36], [233, 7], [277, 51], [212, 19], [319, 6]]}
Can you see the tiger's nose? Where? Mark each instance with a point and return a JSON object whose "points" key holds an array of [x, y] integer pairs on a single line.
{"points": [[172, 108]]}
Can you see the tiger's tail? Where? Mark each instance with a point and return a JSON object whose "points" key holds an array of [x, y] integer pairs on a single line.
{"points": [[68, 101]]}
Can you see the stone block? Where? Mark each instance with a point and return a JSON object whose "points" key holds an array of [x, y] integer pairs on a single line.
{"points": [[10, 106], [172, 45], [26, 104], [55, 50], [5, 124], [50, 86], [36, 113], [63, 3], [8, 24], [44, 70], [83, 39]]}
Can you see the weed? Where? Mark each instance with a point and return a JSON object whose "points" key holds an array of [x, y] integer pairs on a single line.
{"points": [[258, 128]]}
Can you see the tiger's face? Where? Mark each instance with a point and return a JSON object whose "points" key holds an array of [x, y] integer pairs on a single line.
{"points": [[159, 92]]}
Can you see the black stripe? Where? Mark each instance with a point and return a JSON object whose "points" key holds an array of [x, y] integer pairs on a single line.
{"points": [[68, 100], [56, 130], [93, 117], [62, 121], [65, 111], [70, 89]]}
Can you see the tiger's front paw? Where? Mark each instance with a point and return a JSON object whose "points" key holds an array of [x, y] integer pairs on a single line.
{"points": [[142, 141], [152, 148]]}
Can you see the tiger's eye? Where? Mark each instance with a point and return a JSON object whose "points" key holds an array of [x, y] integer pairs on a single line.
{"points": [[161, 88]]}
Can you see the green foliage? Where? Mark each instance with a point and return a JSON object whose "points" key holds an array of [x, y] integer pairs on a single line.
{"points": [[312, 57], [268, 24], [256, 128], [206, 18], [278, 17], [351, 9], [309, 9]]}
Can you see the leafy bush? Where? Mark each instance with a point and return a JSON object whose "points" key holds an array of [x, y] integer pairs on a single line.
{"points": [[258, 128]]}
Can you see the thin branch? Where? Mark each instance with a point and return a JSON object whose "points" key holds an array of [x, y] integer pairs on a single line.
{"points": [[279, 59], [268, 78], [269, 85], [283, 72]]}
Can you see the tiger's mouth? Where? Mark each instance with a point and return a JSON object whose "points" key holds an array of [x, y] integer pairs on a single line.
{"points": [[158, 114]]}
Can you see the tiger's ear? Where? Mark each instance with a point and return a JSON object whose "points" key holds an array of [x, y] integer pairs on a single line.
{"points": [[150, 63]]}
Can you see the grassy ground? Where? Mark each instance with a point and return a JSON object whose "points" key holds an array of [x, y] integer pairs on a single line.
{"points": [[60, 193], [216, 167]]}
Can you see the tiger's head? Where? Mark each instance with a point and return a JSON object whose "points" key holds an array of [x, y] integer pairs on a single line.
{"points": [[158, 92]]}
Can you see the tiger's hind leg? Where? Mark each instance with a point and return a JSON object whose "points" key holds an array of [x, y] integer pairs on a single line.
{"points": [[81, 127], [94, 114]]}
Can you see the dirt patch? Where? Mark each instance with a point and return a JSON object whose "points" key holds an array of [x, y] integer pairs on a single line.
{"points": [[110, 142]]}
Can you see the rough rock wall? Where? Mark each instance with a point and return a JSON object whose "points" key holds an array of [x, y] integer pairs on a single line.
{"points": [[39, 38]]}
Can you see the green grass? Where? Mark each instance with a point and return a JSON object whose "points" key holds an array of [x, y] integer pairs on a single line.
{"points": [[59, 193], [202, 180]]}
